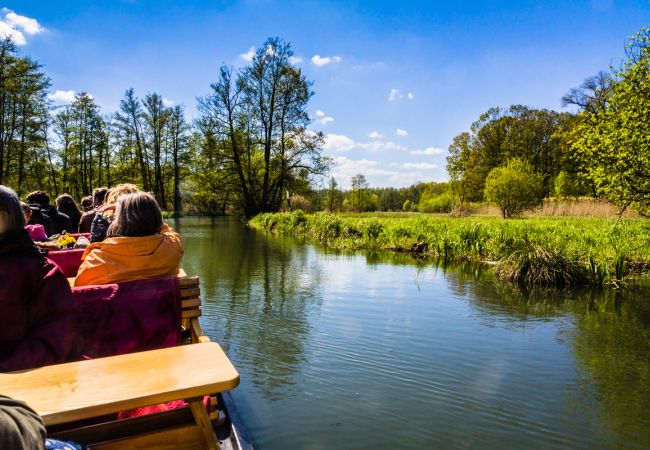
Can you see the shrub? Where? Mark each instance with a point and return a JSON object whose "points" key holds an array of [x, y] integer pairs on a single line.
{"points": [[514, 187], [442, 203]]}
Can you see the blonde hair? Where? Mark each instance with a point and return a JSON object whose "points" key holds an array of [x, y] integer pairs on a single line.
{"points": [[121, 189], [136, 215]]}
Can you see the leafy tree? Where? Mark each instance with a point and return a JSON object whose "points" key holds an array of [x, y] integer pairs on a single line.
{"points": [[258, 116], [333, 196], [357, 197], [514, 187], [610, 141]]}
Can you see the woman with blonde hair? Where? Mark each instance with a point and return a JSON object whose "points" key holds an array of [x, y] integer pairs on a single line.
{"points": [[104, 215], [138, 245]]}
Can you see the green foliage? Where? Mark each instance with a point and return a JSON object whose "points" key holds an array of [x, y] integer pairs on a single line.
{"points": [[564, 186], [432, 203], [406, 207], [514, 187], [610, 141], [500, 135], [544, 251]]}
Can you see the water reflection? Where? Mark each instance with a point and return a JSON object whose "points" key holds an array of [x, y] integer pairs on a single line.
{"points": [[259, 292], [350, 350]]}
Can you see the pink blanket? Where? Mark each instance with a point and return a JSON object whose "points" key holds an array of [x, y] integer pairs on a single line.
{"points": [[67, 260], [128, 317]]}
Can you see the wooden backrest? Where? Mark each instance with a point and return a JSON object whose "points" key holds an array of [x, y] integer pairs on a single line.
{"points": [[190, 295]]}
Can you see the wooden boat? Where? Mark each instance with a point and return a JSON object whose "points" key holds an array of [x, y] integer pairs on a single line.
{"points": [[78, 400]]}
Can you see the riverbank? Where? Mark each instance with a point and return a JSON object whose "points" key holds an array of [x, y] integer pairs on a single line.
{"points": [[558, 251]]}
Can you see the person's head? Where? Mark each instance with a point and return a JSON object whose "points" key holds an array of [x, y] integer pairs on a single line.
{"points": [[121, 189], [99, 195], [27, 211], [38, 198], [136, 215], [87, 203], [66, 204], [11, 213]]}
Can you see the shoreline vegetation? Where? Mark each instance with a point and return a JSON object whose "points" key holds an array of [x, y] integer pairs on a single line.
{"points": [[533, 251]]}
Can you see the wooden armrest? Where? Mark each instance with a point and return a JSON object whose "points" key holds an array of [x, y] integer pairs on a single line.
{"points": [[80, 390]]}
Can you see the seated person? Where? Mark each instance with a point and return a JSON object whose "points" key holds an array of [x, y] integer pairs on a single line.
{"points": [[37, 231], [60, 221], [97, 200], [87, 203], [37, 312], [138, 245], [104, 215], [65, 204], [20, 427]]}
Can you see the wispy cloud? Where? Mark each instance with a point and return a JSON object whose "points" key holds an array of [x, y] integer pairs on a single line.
{"points": [[394, 94], [342, 143], [345, 168], [419, 166], [429, 151], [401, 132], [249, 55], [15, 26], [325, 60], [62, 97], [168, 103], [378, 146], [295, 60], [375, 135]]}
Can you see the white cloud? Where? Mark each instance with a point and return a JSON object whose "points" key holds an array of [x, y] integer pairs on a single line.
{"points": [[295, 60], [338, 143], [419, 166], [62, 96], [375, 135], [7, 31], [345, 168], [249, 55], [324, 60], [29, 26], [378, 146], [168, 103], [323, 118], [394, 94], [429, 151], [14, 25], [401, 132]]}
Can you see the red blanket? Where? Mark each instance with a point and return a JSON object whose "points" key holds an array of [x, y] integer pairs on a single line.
{"points": [[128, 317], [67, 260]]}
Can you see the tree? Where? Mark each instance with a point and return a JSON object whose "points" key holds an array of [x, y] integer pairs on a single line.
{"points": [[333, 196], [514, 187], [359, 185], [610, 141], [258, 117]]}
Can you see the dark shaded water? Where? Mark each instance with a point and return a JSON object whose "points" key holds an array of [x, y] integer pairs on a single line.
{"points": [[352, 351]]}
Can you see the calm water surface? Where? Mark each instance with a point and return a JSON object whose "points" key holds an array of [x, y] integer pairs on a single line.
{"points": [[353, 351]]}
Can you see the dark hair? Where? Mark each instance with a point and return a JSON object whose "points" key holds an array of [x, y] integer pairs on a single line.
{"points": [[66, 204], [136, 215], [87, 203], [26, 208], [99, 194], [38, 198], [11, 210]]}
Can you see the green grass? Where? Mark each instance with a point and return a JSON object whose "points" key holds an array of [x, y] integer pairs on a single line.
{"points": [[560, 251]]}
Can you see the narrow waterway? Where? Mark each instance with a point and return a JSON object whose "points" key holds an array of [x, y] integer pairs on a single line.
{"points": [[357, 351]]}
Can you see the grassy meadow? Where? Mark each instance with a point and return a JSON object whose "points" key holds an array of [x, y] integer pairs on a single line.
{"points": [[538, 250]]}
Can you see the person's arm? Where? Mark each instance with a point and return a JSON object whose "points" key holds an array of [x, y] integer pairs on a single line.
{"points": [[20, 427], [51, 333]]}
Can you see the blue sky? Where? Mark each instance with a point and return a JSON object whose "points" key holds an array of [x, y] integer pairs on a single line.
{"points": [[394, 81]]}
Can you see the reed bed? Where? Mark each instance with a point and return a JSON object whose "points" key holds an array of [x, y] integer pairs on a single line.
{"points": [[560, 251]]}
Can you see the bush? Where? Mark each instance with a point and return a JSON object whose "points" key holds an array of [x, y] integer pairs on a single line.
{"points": [[514, 187], [442, 203]]}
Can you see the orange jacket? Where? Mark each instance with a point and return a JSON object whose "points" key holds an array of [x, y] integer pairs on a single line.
{"points": [[118, 259]]}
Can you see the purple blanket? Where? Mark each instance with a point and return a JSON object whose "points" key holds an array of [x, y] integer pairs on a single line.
{"points": [[67, 260], [128, 317]]}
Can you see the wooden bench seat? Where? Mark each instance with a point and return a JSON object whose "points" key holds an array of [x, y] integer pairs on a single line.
{"points": [[82, 390]]}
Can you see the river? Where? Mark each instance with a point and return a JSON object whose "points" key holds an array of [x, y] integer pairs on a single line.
{"points": [[365, 351]]}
